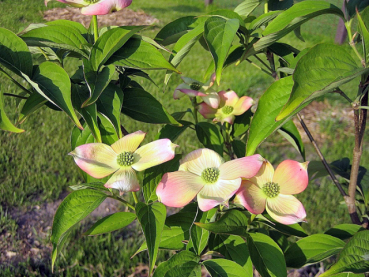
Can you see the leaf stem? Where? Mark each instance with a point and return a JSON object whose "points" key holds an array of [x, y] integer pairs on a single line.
{"points": [[260, 68], [194, 113], [122, 200], [326, 165], [352, 43], [340, 92], [14, 95], [135, 198], [96, 28], [260, 60]]}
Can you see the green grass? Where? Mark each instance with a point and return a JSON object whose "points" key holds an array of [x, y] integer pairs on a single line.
{"points": [[35, 168]]}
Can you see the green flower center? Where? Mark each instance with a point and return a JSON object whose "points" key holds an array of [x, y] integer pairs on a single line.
{"points": [[195, 86], [227, 109], [210, 175], [92, 1], [125, 159], [271, 189]]}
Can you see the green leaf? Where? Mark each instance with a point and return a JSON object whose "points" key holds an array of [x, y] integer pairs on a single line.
{"points": [[354, 5], [224, 268], [239, 148], [173, 132], [266, 255], [111, 223], [153, 176], [70, 24], [274, 5], [291, 230], [107, 130], [242, 123], [56, 36], [142, 106], [247, 7], [232, 223], [182, 264], [109, 43], [263, 20], [96, 81], [314, 76], [210, 136], [270, 104], [344, 231], [292, 135], [348, 274], [312, 249], [152, 219], [363, 30], [32, 104], [96, 185], [219, 34], [200, 236], [291, 19], [53, 83], [5, 123], [233, 248], [14, 53], [137, 53], [75, 207], [110, 105], [353, 257]]}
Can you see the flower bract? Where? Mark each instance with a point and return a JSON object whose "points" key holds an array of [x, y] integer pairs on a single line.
{"points": [[229, 106], [274, 191], [205, 174], [193, 88], [123, 158], [96, 7]]}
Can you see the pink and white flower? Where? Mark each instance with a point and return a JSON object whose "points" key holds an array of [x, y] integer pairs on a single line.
{"points": [[194, 88], [273, 191], [122, 158], [205, 174], [229, 106], [96, 7]]}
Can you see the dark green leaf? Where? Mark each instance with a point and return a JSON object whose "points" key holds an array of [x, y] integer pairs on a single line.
{"points": [[75, 207], [152, 219], [242, 123], [173, 132], [219, 34], [266, 255], [32, 104], [14, 53], [292, 135], [275, 5], [314, 76], [210, 136], [291, 230], [239, 148], [176, 265], [111, 223], [312, 249], [224, 268], [354, 5], [353, 257], [142, 106], [344, 231]]}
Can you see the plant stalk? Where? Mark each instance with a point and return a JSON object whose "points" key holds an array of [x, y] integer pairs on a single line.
{"points": [[96, 28]]}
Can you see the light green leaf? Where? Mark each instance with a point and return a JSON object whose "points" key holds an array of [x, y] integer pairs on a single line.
{"points": [[75, 207], [57, 36], [247, 7], [152, 219], [266, 255], [224, 268], [53, 83], [314, 76], [353, 257], [111, 223], [137, 53], [312, 249], [210, 136], [182, 264], [5, 123], [219, 34], [142, 106], [96, 185], [70, 24], [14, 53], [270, 104], [109, 43], [365, 36]]}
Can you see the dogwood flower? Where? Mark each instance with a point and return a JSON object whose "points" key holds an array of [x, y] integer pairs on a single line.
{"points": [[229, 106], [273, 191], [193, 88], [205, 174], [96, 7], [122, 158]]}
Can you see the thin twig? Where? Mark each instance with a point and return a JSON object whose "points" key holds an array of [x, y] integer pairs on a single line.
{"points": [[258, 67], [325, 163], [260, 60]]}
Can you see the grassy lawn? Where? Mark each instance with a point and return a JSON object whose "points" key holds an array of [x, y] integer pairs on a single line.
{"points": [[35, 168]]}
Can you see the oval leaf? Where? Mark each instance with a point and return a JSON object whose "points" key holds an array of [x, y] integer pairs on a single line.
{"points": [[224, 268], [111, 223]]}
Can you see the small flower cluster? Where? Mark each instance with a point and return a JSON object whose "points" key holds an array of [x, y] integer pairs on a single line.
{"points": [[202, 173]]}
